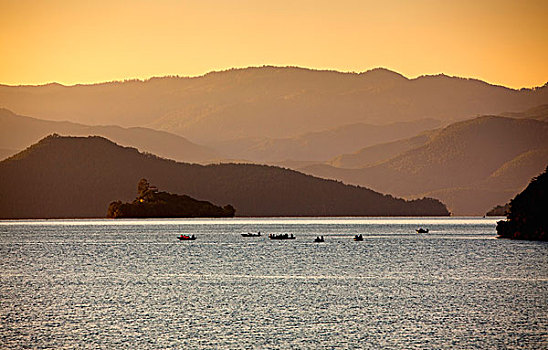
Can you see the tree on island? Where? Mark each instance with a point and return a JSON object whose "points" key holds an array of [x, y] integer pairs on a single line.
{"points": [[142, 188], [153, 204], [527, 217]]}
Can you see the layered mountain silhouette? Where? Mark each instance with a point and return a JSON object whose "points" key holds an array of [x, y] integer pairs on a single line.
{"points": [[79, 177], [471, 165], [378, 153], [18, 132], [322, 145], [378, 129], [268, 102]]}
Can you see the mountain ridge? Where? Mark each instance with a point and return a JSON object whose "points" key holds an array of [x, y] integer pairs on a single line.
{"points": [[268, 101], [376, 70]]}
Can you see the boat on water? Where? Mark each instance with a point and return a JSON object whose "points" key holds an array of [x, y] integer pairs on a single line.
{"points": [[186, 238], [281, 236], [319, 239], [250, 234], [422, 230], [358, 237]]}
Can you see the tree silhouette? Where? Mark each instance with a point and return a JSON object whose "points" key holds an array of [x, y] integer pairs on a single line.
{"points": [[142, 188]]}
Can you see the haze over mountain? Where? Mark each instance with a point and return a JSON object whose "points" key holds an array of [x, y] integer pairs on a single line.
{"points": [[19, 132], [380, 152], [471, 165], [79, 177], [322, 145], [538, 112], [273, 102]]}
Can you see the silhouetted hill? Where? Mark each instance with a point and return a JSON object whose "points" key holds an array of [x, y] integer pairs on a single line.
{"points": [[19, 132], [79, 177], [470, 165], [273, 102], [527, 217]]}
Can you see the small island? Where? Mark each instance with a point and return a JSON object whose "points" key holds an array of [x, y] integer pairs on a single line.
{"points": [[153, 204], [526, 218]]}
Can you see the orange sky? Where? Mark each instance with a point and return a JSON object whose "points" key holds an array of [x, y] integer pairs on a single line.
{"points": [[69, 41]]}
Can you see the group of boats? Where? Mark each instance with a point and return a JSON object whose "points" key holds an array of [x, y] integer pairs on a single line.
{"points": [[282, 236]]}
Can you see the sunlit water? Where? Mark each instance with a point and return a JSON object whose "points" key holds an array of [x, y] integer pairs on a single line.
{"points": [[131, 284]]}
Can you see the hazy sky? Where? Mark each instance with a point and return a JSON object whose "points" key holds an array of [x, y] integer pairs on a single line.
{"points": [[70, 41]]}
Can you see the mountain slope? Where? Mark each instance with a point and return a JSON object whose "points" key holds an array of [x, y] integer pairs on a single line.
{"points": [[322, 145], [79, 177], [368, 156], [19, 132], [273, 102], [463, 157], [538, 113]]}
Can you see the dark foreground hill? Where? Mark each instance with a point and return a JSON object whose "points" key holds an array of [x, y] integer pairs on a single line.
{"points": [[79, 177], [527, 217]]}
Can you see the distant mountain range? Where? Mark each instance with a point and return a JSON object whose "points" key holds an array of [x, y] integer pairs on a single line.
{"points": [[19, 132], [268, 102], [79, 177], [471, 165]]}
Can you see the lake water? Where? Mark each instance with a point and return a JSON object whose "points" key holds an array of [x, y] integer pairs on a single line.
{"points": [[130, 284]]}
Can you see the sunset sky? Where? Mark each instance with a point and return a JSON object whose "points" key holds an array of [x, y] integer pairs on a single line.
{"points": [[66, 41]]}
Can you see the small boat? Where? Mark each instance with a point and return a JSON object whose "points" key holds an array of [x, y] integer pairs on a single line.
{"points": [[319, 239], [249, 234], [421, 230], [186, 238], [281, 236], [358, 237]]}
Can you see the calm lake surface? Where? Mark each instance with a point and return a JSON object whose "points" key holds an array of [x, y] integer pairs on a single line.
{"points": [[131, 284]]}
